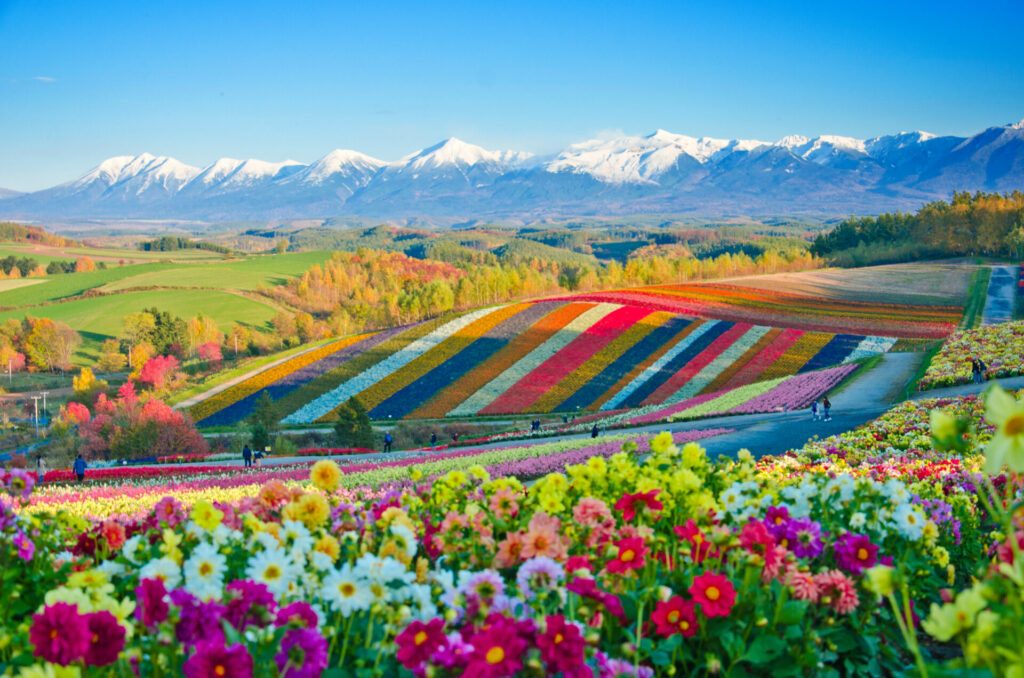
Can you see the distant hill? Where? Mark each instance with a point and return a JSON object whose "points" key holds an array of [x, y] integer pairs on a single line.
{"points": [[662, 172]]}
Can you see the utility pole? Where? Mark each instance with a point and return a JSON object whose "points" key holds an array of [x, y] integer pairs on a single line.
{"points": [[10, 370], [45, 393], [35, 402]]}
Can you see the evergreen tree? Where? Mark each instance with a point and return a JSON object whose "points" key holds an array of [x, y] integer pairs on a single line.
{"points": [[263, 423], [353, 428]]}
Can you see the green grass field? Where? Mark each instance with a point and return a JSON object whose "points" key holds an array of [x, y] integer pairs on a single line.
{"points": [[45, 253], [196, 284]]}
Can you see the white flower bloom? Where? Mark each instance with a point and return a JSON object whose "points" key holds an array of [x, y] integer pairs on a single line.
{"points": [[909, 521], [422, 601], [346, 593], [858, 520], [164, 569], [111, 568], [267, 541], [131, 549], [297, 536], [321, 561], [406, 537], [273, 568], [204, 572], [841, 487]]}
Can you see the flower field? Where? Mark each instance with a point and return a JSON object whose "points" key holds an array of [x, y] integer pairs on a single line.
{"points": [[886, 550], [746, 304], [548, 356], [1000, 347]]}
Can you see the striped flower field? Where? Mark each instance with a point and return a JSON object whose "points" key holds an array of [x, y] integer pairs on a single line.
{"points": [[640, 348]]}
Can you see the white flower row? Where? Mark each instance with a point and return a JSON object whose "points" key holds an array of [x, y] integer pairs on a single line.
{"points": [[869, 346], [318, 407], [726, 358], [616, 400], [507, 379]]}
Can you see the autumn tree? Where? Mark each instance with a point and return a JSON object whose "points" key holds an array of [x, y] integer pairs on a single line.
{"points": [[111, 358], [49, 344]]}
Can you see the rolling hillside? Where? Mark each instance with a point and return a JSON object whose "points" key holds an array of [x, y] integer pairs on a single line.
{"points": [[602, 351]]}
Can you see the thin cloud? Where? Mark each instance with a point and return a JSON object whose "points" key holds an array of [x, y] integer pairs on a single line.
{"points": [[45, 78]]}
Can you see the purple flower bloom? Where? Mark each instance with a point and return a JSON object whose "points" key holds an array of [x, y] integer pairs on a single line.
{"points": [[299, 614], [303, 654], [213, 660], [198, 621], [803, 537], [26, 548], [537, 575], [855, 553], [249, 603]]}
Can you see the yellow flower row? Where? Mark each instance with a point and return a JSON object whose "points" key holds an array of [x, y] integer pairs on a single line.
{"points": [[802, 350]]}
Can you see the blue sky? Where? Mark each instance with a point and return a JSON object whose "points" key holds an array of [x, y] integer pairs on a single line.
{"points": [[81, 81]]}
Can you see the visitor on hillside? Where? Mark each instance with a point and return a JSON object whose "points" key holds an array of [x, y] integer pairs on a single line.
{"points": [[594, 432], [387, 442], [247, 456], [40, 470], [433, 439], [814, 410], [79, 468], [455, 438], [978, 368], [827, 406]]}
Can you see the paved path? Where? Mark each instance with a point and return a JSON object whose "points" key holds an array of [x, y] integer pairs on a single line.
{"points": [[1002, 295]]}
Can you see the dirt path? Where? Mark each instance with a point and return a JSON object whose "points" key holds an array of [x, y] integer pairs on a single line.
{"points": [[1002, 293]]}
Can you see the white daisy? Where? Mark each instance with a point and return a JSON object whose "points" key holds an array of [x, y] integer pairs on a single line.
{"points": [[909, 521], [297, 536], [131, 549], [204, 572], [346, 593], [406, 537], [274, 568], [164, 569]]}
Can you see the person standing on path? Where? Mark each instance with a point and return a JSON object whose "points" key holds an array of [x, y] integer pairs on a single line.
{"points": [[594, 431], [79, 468], [814, 410], [433, 439], [40, 470], [827, 406], [387, 442], [247, 456]]}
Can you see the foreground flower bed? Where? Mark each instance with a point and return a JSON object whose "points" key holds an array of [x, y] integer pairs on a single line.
{"points": [[1000, 347], [820, 561]]}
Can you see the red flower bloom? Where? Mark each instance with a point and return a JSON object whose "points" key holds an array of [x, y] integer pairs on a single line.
{"points": [[419, 641], [106, 639], [60, 634], [213, 660], [561, 645], [577, 563], [630, 557], [629, 503], [498, 649], [677, 615], [699, 546], [587, 588], [756, 538], [714, 593]]}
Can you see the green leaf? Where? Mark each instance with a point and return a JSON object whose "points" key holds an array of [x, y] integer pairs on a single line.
{"points": [[765, 649], [792, 612]]}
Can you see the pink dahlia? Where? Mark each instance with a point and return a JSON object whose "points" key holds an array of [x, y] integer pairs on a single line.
{"points": [[60, 634]]}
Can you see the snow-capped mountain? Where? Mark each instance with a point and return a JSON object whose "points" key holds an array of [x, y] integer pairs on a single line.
{"points": [[659, 172]]}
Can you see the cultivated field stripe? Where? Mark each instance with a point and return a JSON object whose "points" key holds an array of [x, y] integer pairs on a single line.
{"points": [[407, 399], [834, 352], [735, 397], [696, 363], [798, 354], [235, 404], [477, 402], [638, 358], [522, 397], [488, 350], [753, 370], [328, 401], [729, 356], [696, 332], [728, 373], [438, 355], [679, 362], [869, 346], [594, 376]]}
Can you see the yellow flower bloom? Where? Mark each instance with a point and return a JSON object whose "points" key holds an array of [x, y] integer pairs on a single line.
{"points": [[1006, 448], [311, 509], [329, 546], [878, 579], [206, 516], [325, 475]]}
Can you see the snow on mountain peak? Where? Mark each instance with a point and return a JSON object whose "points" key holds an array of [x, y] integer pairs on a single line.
{"points": [[137, 173], [456, 152], [1017, 125], [339, 162]]}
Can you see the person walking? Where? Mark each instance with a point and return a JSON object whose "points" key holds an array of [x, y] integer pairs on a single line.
{"points": [[982, 368], [594, 432], [827, 406], [455, 438], [387, 442], [814, 410], [40, 470], [247, 456], [79, 468], [433, 439]]}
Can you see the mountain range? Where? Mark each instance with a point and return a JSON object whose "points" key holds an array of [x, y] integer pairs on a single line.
{"points": [[661, 172]]}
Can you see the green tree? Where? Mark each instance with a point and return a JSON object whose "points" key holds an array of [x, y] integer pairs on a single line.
{"points": [[263, 422], [353, 427]]}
